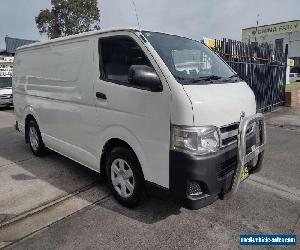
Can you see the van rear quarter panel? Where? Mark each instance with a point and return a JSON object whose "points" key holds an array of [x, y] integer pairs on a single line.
{"points": [[54, 83]]}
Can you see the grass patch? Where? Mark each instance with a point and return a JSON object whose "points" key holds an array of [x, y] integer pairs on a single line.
{"points": [[292, 86]]}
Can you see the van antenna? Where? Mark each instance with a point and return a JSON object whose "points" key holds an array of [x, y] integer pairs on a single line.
{"points": [[136, 14]]}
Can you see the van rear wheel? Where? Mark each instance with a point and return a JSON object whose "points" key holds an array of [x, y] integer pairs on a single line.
{"points": [[125, 177], [35, 139]]}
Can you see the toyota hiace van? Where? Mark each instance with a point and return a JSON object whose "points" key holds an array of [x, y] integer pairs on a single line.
{"points": [[150, 111]]}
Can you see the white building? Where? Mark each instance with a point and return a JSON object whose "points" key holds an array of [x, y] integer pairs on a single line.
{"points": [[6, 65], [277, 34], [7, 55]]}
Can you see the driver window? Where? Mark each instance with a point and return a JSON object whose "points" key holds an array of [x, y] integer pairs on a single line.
{"points": [[117, 54]]}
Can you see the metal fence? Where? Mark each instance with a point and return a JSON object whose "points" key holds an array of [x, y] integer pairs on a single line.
{"points": [[263, 68]]}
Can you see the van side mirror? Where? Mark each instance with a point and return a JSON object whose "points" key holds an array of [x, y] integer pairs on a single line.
{"points": [[144, 77]]}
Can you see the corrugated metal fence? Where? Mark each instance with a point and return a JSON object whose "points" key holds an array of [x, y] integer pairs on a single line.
{"points": [[263, 68]]}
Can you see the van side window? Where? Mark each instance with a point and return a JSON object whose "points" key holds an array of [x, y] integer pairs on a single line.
{"points": [[117, 54]]}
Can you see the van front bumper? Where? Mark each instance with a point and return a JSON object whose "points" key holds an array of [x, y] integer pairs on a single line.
{"points": [[198, 181], [214, 174], [6, 101]]}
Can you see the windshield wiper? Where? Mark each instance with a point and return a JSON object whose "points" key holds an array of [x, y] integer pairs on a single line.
{"points": [[235, 75], [206, 78], [231, 77]]}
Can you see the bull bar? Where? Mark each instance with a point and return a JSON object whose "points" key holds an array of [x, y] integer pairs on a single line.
{"points": [[256, 150]]}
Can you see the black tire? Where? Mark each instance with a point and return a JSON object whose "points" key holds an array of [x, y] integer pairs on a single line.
{"points": [[39, 148], [130, 158]]}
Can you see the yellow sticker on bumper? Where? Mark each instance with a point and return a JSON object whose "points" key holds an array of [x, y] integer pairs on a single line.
{"points": [[245, 173]]}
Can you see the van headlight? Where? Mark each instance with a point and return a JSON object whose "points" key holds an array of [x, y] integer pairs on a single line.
{"points": [[195, 140]]}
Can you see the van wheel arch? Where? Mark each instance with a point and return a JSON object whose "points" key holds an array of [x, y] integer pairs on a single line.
{"points": [[107, 148]]}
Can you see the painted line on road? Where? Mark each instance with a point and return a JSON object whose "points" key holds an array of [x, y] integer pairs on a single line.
{"points": [[273, 187]]}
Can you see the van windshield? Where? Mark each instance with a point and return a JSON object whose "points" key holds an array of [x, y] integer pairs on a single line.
{"points": [[190, 61], [5, 82]]}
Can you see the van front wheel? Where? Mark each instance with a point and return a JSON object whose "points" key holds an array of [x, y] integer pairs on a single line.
{"points": [[125, 177]]}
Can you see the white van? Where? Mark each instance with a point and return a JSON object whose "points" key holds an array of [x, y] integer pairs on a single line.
{"points": [[6, 98], [152, 111], [294, 77]]}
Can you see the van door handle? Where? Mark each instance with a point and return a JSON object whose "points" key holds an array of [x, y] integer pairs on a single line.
{"points": [[101, 95]]}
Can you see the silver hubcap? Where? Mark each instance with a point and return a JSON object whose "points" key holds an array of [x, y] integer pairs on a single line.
{"points": [[34, 139], [122, 178]]}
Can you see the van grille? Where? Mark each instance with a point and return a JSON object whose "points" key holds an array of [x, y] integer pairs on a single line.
{"points": [[229, 133], [6, 96], [229, 136]]}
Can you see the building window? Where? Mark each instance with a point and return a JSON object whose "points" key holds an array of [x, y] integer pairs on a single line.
{"points": [[279, 45]]}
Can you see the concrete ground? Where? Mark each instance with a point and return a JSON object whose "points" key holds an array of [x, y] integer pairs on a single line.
{"points": [[55, 203], [285, 117]]}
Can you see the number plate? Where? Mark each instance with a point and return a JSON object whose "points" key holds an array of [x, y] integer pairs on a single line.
{"points": [[245, 173]]}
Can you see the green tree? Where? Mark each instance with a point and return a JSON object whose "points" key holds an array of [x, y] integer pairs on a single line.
{"points": [[68, 17]]}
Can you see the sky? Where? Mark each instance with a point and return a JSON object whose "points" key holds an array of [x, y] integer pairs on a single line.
{"points": [[192, 18]]}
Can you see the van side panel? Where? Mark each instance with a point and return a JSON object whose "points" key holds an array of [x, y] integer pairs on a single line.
{"points": [[54, 81]]}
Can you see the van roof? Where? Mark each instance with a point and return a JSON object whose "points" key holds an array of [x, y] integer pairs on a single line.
{"points": [[91, 33], [84, 34]]}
